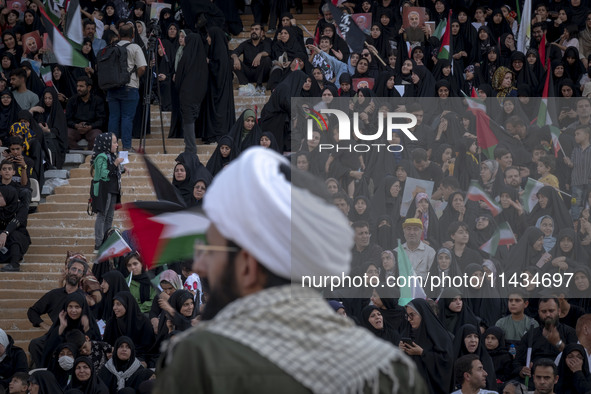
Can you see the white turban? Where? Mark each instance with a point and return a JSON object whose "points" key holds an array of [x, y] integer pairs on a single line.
{"points": [[251, 203]]}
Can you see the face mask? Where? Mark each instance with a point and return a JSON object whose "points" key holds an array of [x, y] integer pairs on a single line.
{"points": [[66, 362]]}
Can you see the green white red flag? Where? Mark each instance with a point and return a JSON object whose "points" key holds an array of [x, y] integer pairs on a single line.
{"points": [[503, 235], [529, 197], [477, 193], [63, 50], [114, 246]]}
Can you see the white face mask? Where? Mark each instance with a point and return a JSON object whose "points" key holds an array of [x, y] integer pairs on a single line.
{"points": [[66, 362]]}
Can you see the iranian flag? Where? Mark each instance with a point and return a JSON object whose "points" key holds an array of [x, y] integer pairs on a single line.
{"points": [[114, 246], [477, 193], [502, 236], [445, 48], [46, 75], [63, 50], [486, 138], [413, 288], [165, 231], [529, 197]]}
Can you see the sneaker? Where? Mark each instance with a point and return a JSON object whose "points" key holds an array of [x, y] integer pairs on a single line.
{"points": [[10, 268]]}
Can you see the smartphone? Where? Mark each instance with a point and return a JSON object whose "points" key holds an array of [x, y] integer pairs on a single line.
{"points": [[408, 341]]}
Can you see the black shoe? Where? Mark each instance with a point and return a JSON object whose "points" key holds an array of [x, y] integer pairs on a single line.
{"points": [[10, 268]]}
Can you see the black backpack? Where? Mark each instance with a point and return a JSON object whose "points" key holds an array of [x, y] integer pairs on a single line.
{"points": [[112, 67]]}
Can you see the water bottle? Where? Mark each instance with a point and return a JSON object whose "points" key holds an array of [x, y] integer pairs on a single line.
{"points": [[4, 250], [512, 350]]}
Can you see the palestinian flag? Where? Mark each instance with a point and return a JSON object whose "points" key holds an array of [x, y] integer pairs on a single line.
{"points": [[445, 48], [64, 52], [114, 246], [544, 116], [347, 29], [46, 75], [440, 29], [165, 232], [502, 236], [555, 134], [476, 193], [53, 10], [74, 24], [529, 197], [412, 289]]}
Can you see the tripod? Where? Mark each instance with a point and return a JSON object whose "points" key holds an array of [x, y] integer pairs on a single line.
{"points": [[152, 51]]}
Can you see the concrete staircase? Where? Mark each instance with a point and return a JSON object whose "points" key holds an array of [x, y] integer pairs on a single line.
{"points": [[61, 223]]}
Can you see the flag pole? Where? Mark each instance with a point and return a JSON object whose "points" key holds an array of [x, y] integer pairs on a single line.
{"points": [[375, 54]]}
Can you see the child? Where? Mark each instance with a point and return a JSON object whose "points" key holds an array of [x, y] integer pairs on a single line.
{"points": [[19, 383], [517, 323], [106, 184], [494, 341], [546, 166]]}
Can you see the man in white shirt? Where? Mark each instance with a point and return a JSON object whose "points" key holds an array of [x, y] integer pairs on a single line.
{"points": [[419, 253], [123, 101], [471, 373]]}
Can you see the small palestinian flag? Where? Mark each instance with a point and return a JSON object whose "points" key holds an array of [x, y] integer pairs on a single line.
{"points": [[476, 193], [413, 289], [445, 48], [502, 236]]}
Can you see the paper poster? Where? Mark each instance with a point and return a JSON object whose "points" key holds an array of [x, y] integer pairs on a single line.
{"points": [[125, 156], [412, 187], [18, 5], [413, 20], [32, 42], [155, 9]]}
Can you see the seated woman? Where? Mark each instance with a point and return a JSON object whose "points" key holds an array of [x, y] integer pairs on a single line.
{"points": [[179, 310], [86, 379], [43, 382], [12, 359], [62, 363], [129, 321], [223, 154], [52, 122], [14, 237], [246, 132], [139, 282], [113, 283], [169, 283], [124, 369], [75, 315]]}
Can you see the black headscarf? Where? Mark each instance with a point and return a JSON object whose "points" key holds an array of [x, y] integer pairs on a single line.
{"points": [[499, 29], [510, 214], [62, 376], [523, 254], [46, 381], [386, 333], [116, 283], [556, 208], [195, 171], [34, 82], [426, 85], [566, 377], [36, 25], [436, 363], [185, 187], [577, 254], [454, 320], [452, 271], [216, 162], [461, 350], [8, 115], [93, 385], [133, 324], [143, 279], [294, 47], [55, 118], [576, 70], [66, 85], [383, 203], [176, 300]]}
